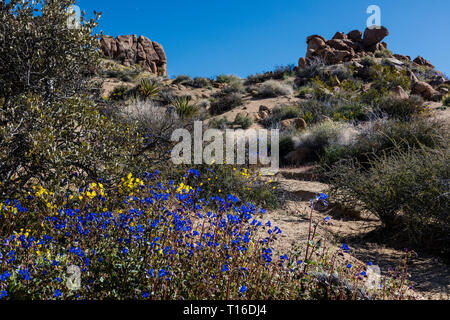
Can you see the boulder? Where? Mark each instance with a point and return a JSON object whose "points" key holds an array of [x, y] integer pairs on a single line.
{"points": [[399, 93], [425, 90], [316, 42], [340, 36], [422, 62], [355, 35], [302, 63], [298, 123], [373, 36], [402, 58]]}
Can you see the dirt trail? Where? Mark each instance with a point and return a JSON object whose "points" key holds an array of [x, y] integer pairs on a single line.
{"points": [[431, 277]]}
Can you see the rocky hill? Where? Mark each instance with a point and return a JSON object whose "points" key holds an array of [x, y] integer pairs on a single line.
{"points": [[130, 49]]}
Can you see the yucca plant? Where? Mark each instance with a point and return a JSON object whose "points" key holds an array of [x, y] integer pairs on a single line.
{"points": [[149, 89], [185, 109]]}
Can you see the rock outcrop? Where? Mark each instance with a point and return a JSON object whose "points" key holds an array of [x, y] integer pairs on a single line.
{"points": [[344, 47], [130, 49], [422, 62]]}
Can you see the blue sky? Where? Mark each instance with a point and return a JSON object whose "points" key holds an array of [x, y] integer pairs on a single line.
{"points": [[210, 37]]}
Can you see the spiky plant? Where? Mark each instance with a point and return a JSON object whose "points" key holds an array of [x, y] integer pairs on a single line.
{"points": [[185, 109], [149, 89]]}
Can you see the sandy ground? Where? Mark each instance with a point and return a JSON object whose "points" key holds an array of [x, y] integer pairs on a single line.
{"points": [[431, 276]]}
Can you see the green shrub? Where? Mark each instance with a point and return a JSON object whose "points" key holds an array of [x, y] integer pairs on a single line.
{"points": [[286, 145], [119, 93], [408, 191], [446, 100], [43, 55], [243, 121], [314, 68], [272, 88], [386, 78], [200, 82], [51, 132], [220, 123], [282, 113], [226, 103], [403, 109], [233, 87], [321, 135], [383, 137], [226, 79], [368, 61], [385, 53], [182, 79]]}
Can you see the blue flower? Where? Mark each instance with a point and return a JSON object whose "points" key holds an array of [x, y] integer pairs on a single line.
{"points": [[243, 289], [5, 276], [345, 247], [57, 293], [3, 294], [125, 251], [225, 268], [349, 265], [145, 295]]}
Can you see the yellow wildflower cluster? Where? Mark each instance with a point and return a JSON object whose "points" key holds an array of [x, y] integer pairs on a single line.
{"points": [[183, 188], [95, 189], [130, 183]]}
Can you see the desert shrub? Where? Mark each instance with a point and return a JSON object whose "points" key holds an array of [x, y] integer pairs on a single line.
{"points": [[272, 88], [341, 72], [386, 78], [383, 137], [321, 135], [226, 79], [408, 191], [304, 91], [182, 79], [368, 61], [314, 68], [233, 87], [200, 82], [43, 55], [57, 136], [166, 95], [403, 109], [243, 121], [126, 75], [184, 108], [446, 100], [286, 145], [119, 93], [204, 103], [281, 113], [279, 73], [220, 123], [337, 107], [385, 53], [283, 72], [226, 103]]}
